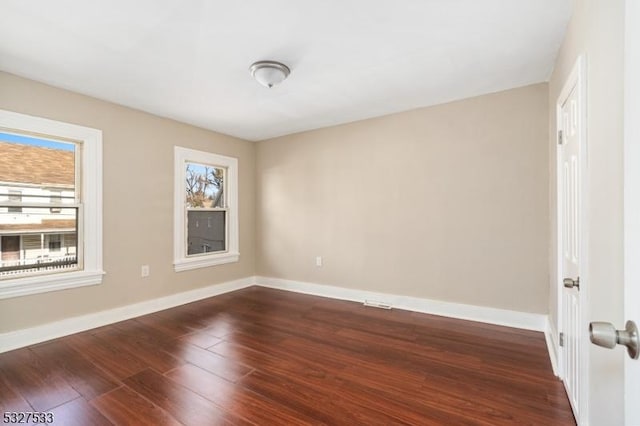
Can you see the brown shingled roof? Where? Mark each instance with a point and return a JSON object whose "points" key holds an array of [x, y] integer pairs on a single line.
{"points": [[46, 224], [36, 165]]}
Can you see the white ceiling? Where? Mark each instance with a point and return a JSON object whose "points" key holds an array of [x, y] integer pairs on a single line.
{"points": [[350, 59]]}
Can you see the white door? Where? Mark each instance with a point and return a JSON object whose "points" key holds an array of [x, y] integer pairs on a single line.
{"points": [[632, 201], [569, 118]]}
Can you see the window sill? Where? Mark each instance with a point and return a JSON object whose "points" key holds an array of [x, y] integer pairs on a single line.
{"points": [[204, 261], [25, 286]]}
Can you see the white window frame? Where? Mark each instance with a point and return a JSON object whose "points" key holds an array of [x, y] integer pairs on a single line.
{"points": [[182, 262], [89, 236]]}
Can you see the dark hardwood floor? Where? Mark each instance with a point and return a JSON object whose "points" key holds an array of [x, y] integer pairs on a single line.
{"points": [[261, 356]]}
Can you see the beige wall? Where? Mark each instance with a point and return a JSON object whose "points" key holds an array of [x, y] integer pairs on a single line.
{"points": [[597, 30], [448, 203], [138, 209]]}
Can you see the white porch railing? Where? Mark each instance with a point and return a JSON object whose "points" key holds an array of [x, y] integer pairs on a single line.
{"points": [[46, 263]]}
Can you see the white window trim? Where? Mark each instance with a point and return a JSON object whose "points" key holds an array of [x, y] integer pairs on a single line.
{"points": [[90, 233], [180, 260]]}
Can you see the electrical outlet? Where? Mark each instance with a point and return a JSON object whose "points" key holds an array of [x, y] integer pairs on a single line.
{"points": [[318, 260], [144, 271]]}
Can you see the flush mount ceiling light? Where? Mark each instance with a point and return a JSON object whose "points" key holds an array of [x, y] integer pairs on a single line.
{"points": [[269, 73]]}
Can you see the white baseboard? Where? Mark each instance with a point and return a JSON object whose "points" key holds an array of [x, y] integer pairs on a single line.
{"points": [[550, 334], [30, 336], [523, 320]]}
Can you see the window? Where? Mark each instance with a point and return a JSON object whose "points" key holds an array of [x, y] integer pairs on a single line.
{"points": [[55, 243], [14, 197], [206, 209], [51, 234], [55, 198]]}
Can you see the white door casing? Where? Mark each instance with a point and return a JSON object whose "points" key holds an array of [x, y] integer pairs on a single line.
{"points": [[571, 164], [632, 201], [570, 207]]}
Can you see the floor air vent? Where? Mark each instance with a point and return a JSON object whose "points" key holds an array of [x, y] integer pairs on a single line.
{"points": [[376, 304]]}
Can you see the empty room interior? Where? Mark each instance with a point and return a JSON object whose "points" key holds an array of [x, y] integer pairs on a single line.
{"points": [[358, 212]]}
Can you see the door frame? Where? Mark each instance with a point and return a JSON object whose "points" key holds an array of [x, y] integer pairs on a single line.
{"points": [[578, 79], [631, 198]]}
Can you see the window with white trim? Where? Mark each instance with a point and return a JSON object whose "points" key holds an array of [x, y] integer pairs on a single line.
{"points": [[205, 209], [51, 234]]}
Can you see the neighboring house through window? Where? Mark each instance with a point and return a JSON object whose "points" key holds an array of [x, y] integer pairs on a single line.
{"points": [[45, 206], [206, 209]]}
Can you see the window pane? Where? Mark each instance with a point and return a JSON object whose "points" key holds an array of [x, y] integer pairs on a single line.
{"points": [[206, 231], [36, 171], [204, 186], [47, 164]]}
